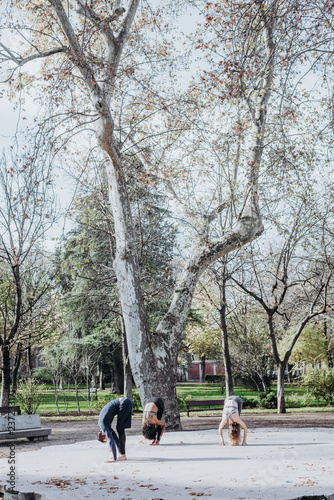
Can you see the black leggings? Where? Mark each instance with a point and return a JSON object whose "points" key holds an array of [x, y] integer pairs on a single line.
{"points": [[160, 405], [119, 440]]}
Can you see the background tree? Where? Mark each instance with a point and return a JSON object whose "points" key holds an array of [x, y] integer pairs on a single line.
{"points": [[329, 338], [320, 383], [214, 292], [39, 320], [250, 346], [286, 164], [88, 303], [293, 289], [203, 340], [55, 368], [311, 348], [242, 327], [26, 213], [89, 300]]}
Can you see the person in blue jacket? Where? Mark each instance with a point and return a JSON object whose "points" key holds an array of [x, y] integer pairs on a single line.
{"points": [[122, 407]]}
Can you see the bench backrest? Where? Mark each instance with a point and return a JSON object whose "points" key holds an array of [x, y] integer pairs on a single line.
{"points": [[208, 402], [10, 409]]}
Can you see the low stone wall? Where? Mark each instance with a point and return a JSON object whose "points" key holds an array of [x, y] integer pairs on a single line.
{"points": [[19, 422], [22, 426]]}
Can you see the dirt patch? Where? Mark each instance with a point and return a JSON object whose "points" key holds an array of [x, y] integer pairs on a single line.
{"points": [[72, 431]]}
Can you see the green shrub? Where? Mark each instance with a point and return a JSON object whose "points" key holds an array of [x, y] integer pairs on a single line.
{"points": [[214, 379], [181, 400], [255, 383], [102, 400], [43, 375], [320, 383], [299, 401], [250, 403], [136, 403], [29, 395], [268, 400], [248, 383]]}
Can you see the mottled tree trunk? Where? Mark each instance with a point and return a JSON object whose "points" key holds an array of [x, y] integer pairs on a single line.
{"points": [[30, 359], [202, 359], [126, 365], [77, 394], [16, 366], [101, 381], [116, 373], [6, 368], [329, 351], [265, 386], [281, 408], [224, 336], [55, 386], [5, 372]]}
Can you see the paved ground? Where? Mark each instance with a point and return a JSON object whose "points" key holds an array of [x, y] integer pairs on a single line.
{"points": [[66, 431], [279, 463]]}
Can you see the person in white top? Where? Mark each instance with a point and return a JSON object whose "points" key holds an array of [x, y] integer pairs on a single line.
{"points": [[231, 417]]}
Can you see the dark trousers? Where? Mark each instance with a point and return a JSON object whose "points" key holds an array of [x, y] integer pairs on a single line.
{"points": [[119, 440]]}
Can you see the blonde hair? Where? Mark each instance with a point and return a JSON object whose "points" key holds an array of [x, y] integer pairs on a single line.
{"points": [[234, 434]]}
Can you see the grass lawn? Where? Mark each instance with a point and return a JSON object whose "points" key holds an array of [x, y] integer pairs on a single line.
{"points": [[296, 399]]}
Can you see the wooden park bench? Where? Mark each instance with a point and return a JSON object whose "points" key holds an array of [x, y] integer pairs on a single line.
{"points": [[20, 426], [204, 405], [10, 409]]}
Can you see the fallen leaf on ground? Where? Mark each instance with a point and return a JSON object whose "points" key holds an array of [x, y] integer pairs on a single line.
{"points": [[200, 494], [307, 482]]}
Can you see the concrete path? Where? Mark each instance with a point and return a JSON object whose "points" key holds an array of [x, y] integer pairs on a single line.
{"points": [[277, 464]]}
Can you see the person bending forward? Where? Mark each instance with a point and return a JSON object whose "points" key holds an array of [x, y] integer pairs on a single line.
{"points": [[231, 417], [122, 407], [152, 425]]}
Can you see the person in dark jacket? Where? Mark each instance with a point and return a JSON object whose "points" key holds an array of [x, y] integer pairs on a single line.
{"points": [[122, 407]]}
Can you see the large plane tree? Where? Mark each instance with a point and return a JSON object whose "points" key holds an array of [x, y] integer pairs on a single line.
{"points": [[112, 63]]}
